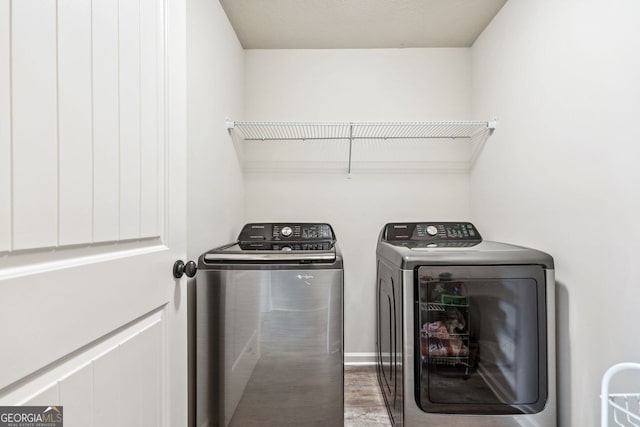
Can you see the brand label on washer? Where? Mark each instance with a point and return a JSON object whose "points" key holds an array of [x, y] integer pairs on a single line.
{"points": [[306, 278]]}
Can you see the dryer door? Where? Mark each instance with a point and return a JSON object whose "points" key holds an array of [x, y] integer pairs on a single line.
{"points": [[482, 342]]}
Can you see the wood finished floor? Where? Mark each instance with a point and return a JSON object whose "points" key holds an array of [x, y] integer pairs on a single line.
{"points": [[363, 403]]}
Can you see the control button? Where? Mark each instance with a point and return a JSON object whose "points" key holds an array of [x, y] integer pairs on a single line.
{"points": [[432, 230], [286, 248], [286, 231]]}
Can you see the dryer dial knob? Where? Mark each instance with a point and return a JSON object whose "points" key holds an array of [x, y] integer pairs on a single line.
{"points": [[432, 230], [286, 231]]}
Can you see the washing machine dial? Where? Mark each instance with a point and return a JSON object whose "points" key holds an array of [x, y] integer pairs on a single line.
{"points": [[432, 230], [286, 231]]}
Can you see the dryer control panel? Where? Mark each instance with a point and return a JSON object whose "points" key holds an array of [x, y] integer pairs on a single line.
{"points": [[432, 232]]}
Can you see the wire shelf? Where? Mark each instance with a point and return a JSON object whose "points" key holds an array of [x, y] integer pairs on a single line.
{"points": [[442, 335], [418, 130], [623, 409], [445, 360], [301, 131], [255, 132], [436, 306], [287, 131]]}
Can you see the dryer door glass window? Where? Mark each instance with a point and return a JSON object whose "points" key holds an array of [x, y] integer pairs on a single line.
{"points": [[481, 340]]}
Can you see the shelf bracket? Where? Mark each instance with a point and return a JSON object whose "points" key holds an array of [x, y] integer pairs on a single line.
{"points": [[350, 144], [236, 139]]}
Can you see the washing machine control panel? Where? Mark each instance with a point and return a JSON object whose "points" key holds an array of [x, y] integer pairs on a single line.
{"points": [[432, 232], [286, 246], [288, 232]]}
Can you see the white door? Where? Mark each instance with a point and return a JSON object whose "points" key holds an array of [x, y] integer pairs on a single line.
{"points": [[92, 209]]}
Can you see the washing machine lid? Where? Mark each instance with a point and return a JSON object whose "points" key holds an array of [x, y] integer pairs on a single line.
{"points": [[272, 243], [448, 244], [241, 252]]}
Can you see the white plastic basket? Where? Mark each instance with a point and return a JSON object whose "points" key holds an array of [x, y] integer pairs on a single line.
{"points": [[625, 407]]}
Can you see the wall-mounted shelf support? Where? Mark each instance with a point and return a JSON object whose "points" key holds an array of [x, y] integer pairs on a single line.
{"points": [[474, 131], [350, 145]]}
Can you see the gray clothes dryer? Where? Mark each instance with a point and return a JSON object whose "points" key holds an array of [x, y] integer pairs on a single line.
{"points": [[269, 329], [465, 328]]}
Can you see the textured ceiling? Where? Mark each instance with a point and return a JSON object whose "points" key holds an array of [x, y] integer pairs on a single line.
{"points": [[338, 24]]}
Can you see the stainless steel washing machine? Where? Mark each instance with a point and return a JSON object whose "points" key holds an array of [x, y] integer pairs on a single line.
{"points": [[465, 328], [269, 329]]}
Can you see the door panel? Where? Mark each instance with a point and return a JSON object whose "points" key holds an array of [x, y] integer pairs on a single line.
{"points": [[89, 171], [76, 397], [63, 310], [5, 125], [150, 123], [111, 383], [94, 178], [34, 100], [74, 121], [106, 172], [129, 91], [139, 365], [45, 397], [107, 384]]}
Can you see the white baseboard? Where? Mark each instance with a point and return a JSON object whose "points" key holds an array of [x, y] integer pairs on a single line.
{"points": [[360, 359]]}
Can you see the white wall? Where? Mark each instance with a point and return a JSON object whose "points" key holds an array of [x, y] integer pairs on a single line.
{"points": [[215, 188], [344, 85], [215, 90], [560, 174], [357, 84]]}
